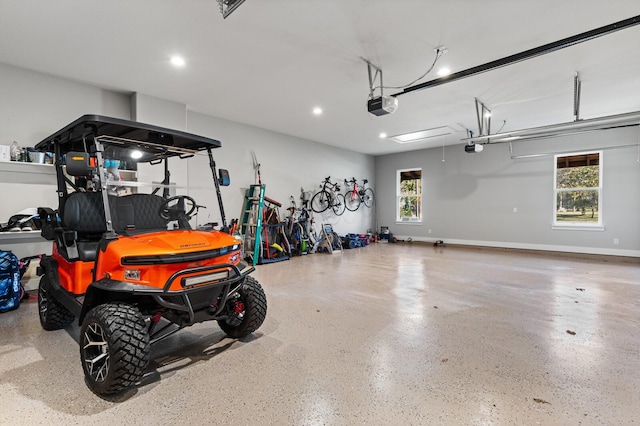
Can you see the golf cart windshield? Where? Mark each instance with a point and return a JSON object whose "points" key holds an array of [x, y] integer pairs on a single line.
{"points": [[102, 157]]}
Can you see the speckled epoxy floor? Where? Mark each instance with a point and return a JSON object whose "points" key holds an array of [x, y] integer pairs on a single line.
{"points": [[389, 334]]}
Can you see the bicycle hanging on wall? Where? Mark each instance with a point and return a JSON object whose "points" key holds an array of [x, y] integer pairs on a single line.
{"points": [[299, 227], [328, 197], [358, 194]]}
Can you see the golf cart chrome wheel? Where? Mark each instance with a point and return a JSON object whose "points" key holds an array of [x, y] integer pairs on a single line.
{"points": [[114, 347], [96, 352]]}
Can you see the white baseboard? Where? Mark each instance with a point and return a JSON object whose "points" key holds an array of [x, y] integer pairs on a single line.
{"points": [[526, 246]]}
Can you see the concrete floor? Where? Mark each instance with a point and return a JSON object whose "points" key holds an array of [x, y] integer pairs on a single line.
{"points": [[389, 334]]}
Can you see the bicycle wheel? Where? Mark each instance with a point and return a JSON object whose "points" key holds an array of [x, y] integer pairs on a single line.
{"points": [[368, 197], [320, 201], [338, 204], [352, 201]]}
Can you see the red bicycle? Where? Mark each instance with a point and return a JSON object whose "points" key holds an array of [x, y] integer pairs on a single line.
{"points": [[358, 194]]}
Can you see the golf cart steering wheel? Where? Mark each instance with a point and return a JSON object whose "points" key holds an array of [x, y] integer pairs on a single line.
{"points": [[179, 210]]}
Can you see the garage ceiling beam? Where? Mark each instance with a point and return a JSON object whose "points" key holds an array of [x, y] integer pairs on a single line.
{"points": [[527, 54]]}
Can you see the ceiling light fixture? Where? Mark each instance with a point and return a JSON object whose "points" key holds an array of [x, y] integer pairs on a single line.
{"points": [[383, 135], [178, 61], [444, 71], [422, 134], [317, 111]]}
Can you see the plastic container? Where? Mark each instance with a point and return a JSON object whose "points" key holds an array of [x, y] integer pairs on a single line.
{"points": [[36, 157], [15, 151]]}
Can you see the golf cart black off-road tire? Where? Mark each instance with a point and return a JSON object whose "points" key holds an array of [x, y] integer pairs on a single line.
{"points": [[255, 304], [119, 331], [53, 315]]}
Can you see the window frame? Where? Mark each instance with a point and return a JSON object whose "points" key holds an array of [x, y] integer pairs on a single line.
{"points": [[419, 195], [592, 226]]}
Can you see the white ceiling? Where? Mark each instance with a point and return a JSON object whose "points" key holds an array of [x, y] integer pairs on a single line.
{"points": [[271, 61]]}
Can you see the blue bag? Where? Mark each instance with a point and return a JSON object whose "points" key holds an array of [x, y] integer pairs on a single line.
{"points": [[10, 288]]}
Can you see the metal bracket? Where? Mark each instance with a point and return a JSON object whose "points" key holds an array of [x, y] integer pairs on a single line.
{"points": [[110, 233], [577, 86], [228, 6], [484, 118], [374, 73]]}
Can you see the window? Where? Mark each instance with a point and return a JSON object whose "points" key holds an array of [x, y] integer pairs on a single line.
{"points": [[578, 189], [409, 191]]}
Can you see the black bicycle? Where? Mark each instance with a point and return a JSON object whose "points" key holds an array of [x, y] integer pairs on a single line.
{"points": [[328, 197], [358, 194]]}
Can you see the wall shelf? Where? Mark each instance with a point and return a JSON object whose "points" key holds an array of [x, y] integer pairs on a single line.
{"points": [[20, 237], [27, 173]]}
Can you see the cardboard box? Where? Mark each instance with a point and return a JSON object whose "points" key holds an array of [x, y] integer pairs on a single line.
{"points": [[5, 153]]}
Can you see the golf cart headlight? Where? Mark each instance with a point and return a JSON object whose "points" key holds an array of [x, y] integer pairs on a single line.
{"points": [[205, 279], [132, 274]]}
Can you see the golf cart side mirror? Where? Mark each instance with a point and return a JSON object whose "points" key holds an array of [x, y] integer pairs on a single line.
{"points": [[224, 177], [78, 164]]}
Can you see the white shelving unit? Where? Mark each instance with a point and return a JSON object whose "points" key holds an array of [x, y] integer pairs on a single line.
{"points": [[13, 175], [27, 173], [41, 179]]}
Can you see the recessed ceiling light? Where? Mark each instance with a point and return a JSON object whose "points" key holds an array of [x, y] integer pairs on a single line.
{"points": [[487, 114], [136, 154], [383, 135], [177, 61], [317, 111], [444, 71]]}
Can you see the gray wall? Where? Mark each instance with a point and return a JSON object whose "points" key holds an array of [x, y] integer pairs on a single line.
{"points": [[286, 164], [469, 198], [34, 105]]}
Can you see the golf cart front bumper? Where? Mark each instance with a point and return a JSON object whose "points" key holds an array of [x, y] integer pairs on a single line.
{"points": [[202, 297]]}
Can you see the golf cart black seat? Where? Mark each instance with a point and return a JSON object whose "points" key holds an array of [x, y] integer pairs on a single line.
{"points": [[84, 214], [140, 212]]}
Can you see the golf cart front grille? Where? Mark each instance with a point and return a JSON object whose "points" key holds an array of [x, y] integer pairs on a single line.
{"points": [[167, 259]]}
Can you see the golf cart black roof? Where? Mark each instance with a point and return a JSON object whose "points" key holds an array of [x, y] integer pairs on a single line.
{"points": [[124, 135]]}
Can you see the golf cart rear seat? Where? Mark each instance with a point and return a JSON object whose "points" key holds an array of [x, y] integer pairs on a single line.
{"points": [[84, 215]]}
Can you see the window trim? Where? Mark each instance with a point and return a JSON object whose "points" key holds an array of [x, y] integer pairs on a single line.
{"points": [[399, 220], [578, 226]]}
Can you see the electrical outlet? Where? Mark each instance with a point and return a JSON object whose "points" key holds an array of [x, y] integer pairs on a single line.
{"points": [[616, 241], [429, 231]]}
